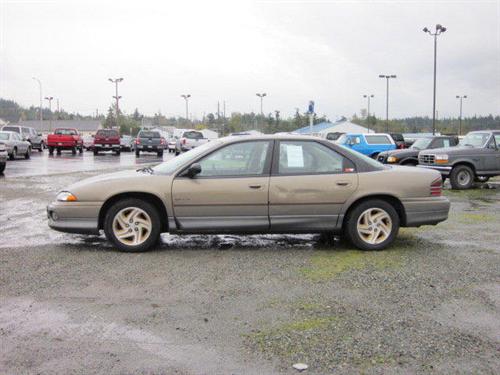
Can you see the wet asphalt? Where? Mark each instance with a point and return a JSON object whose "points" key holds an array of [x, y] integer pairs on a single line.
{"points": [[242, 304]]}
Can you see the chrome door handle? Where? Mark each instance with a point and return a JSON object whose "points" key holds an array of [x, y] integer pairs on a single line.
{"points": [[254, 186], [343, 183]]}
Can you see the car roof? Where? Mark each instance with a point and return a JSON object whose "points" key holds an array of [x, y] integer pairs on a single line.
{"points": [[8, 131]]}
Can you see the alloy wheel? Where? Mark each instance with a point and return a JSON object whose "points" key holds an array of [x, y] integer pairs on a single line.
{"points": [[374, 226], [132, 226]]}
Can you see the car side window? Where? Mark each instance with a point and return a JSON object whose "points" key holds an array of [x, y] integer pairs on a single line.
{"points": [[26, 131], [497, 140], [302, 157], [15, 137], [446, 142], [239, 160]]}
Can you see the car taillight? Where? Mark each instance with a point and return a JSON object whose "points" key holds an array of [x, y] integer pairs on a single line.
{"points": [[402, 146], [184, 141], [138, 141], [162, 141], [436, 187]]}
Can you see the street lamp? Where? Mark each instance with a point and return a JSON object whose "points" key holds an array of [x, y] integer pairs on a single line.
{"points": [[49, 98], [368, 96], [387, 77], [461, 97], [186, 98], [116, 81], [261, 96], [41, 102], [439, 29]]}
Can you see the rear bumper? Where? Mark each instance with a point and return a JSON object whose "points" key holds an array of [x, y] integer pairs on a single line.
{"points": [[445, 171], [150, 148], [63, 145], [74, 218], [426, 211], [106, 146]]}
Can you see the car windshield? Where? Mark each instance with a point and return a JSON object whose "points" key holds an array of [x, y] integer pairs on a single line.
{"points": [[342, 139], [193, 135], [174, 164], [421, 144], [475, 139], [11, 129], [4, 136], [149, 135], [65, 132]]}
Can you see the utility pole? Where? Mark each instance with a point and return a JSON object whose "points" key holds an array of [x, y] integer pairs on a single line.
{"points": [[49, 98], [186, 98], [461, 97], [116, 81], [387, 77], [439, 29], [261, 96], [368, 96], [41, 102], [57, 101], [310, 110]]}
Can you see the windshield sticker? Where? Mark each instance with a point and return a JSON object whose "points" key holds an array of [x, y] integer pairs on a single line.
{"points": [[295, 157]]}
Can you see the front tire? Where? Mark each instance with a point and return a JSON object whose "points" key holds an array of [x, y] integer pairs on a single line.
{"points": [[2, 168], [27, 155], [132, 225], [13, 155], [372, 225], [461, 177]]}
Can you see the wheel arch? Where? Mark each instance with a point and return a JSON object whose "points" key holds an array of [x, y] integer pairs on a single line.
{"points": [[391, 199], [409, 160], [466, 163], [148, 197]]}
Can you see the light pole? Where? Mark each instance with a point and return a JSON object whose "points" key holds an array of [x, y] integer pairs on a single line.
{"points": [[186, 98], [116, 81], [41, 102], [261, 96], [439, 29], [368, 96], [387, 77], [49, 98], [461, 97]]}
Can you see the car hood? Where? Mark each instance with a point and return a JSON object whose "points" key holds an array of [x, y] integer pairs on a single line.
{"points": [[125, 178], [462, 150], [400, 153]]}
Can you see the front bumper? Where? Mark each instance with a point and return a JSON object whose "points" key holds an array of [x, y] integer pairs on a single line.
{"points": [[425, 211], [74, 217], [444, 170]]}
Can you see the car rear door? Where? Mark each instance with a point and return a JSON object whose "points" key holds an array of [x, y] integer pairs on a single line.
{"points": [[230, 193], [310, 182]]}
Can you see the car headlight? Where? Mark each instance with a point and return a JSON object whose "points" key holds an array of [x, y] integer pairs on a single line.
{"points": [[392, 159], [441, 158], [66, 196]]}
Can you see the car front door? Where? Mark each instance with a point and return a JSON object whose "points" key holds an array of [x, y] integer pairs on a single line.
{"points": [[19, 143], [310, 182], [230, 194], [491, 158]]}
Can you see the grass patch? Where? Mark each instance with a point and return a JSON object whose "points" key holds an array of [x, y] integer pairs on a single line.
{"points": [[325, 265], [486, 195], [472, 218]]}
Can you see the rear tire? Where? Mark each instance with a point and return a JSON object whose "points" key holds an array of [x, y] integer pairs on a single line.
{"points": [[58, 151], [80, 150], [73, 150], [160, 154], [13, 155], [27, 155], [96, 152], [118, 152], [461, 177], [137, 153], [372, 225], [51, 150], [2, 168], [146, 222]]}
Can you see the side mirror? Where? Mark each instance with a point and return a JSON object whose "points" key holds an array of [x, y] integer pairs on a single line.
{"points": [[193, 170]]}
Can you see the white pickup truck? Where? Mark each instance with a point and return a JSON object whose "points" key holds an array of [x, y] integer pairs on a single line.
{"points": [[189, 139]]}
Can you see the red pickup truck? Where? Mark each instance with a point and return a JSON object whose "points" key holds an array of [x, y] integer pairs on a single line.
{"points": [[65, 139], [107, 140]]}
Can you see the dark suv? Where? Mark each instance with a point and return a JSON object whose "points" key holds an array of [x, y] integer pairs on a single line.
{"points": [[409, 156], [151, 141], [477, 158]]}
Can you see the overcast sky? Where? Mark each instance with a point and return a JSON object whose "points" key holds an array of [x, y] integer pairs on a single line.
{"points": [[328, 51]]}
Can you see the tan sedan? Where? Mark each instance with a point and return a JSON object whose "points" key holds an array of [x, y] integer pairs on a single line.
{"points": [[266, 184]]}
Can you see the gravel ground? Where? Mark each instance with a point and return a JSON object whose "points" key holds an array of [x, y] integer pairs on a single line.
{"points": [[248, 304]]}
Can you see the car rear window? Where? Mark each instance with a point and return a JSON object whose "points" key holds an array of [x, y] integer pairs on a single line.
{"points": [[146, 134], [107, 133], [377, 140], [11, 129], [193, 135], [398, 137], [65, 132]]}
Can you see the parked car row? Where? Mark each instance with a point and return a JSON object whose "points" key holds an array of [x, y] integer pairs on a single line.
{"points": [[475, 158]]}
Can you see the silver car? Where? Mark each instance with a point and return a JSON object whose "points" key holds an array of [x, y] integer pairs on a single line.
{"points": [[15, 145], [28, 134]]}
